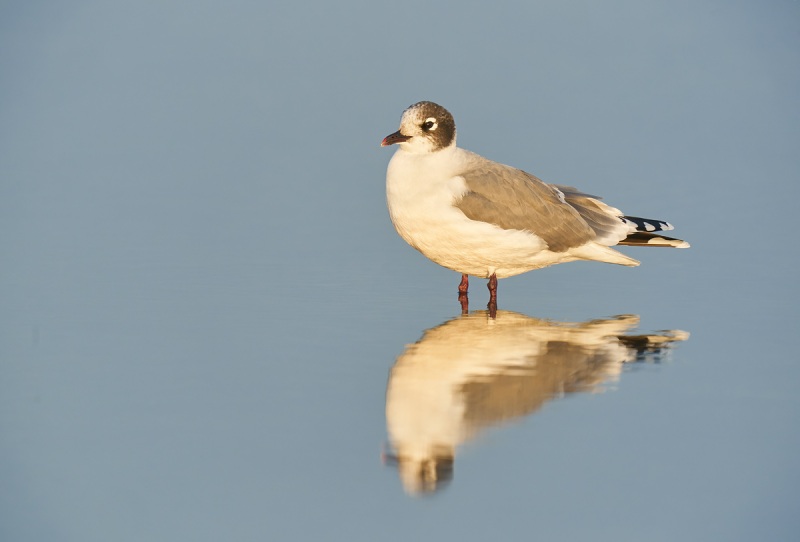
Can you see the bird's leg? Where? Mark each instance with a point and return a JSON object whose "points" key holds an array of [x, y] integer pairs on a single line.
{"points": [[492, 305], [462, 294], [492, 288], [464, 286], [464, 300]]}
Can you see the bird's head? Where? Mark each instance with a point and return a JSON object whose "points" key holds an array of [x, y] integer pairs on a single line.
{"points": [[425, 127]]}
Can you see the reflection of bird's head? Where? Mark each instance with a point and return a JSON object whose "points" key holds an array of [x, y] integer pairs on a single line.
{"points": [[424, 475]]}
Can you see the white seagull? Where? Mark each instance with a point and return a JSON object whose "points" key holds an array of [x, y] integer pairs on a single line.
{"points": [[486, 219]]}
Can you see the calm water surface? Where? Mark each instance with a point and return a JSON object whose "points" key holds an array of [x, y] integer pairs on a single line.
{"points": [[210, 330]]}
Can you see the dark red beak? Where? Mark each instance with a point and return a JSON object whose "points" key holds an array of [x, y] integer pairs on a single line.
{"points": [[396, 137]]}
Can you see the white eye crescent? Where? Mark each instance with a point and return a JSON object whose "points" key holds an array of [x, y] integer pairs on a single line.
{"points": [[429, 125]]}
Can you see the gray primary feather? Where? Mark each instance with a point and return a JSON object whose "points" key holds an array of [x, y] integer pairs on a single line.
{"points": [[514, 199]]}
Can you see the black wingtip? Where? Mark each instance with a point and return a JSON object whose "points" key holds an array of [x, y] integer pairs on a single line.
{"points": [[647, 224]]}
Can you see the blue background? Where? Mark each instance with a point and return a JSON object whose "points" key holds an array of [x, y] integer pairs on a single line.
{"points": [[202, 294]]}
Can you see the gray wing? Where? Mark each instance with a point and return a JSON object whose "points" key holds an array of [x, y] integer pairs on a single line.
{"points": [[516, 200], [606, 221]]}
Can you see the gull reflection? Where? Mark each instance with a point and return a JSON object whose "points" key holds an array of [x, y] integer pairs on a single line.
{"points": [[476, 371]]}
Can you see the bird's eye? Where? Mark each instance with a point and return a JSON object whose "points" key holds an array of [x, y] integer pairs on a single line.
{"points": [[429, 124]]}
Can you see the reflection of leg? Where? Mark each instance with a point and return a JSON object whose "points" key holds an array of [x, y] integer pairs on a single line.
{"points": [[492, 306], [464, 286]]}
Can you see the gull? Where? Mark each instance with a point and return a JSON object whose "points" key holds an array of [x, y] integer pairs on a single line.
{"points": [[489, 220]]}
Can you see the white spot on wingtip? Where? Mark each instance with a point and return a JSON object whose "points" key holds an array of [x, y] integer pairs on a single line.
{"points": [[658, 241]]}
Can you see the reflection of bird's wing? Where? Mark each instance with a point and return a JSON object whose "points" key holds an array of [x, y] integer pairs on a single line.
{"points": [[562, 358], [644, 347]]}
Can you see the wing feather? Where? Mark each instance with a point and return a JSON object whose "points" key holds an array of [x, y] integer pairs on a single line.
{"points": [[514, 199], [606, 221]]}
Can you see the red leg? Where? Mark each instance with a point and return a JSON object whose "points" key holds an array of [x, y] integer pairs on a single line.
{"points": [[492, 287], [462, 294], [464, 286], [492, 306], [464, 300]]}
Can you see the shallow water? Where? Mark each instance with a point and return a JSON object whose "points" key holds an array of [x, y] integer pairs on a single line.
{"points": [[209, 328]]}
